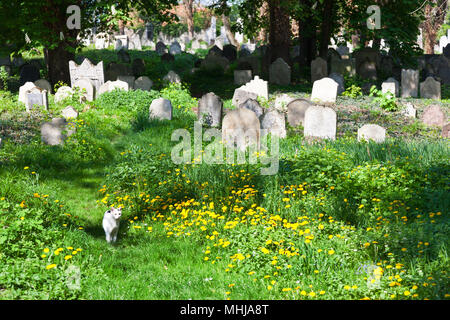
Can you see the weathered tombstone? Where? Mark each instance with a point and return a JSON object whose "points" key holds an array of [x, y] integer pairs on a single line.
{"points": [[434, 116], [430, 89], [318, 69], [43, 84], [242, 76], [160, 109], [274, 123], [213, 62], [55, 132], [296, 112], [210, 109], [324, 90], [409, 111], [167, 57], [257, 86], [69, 112], [36, 97], [372, 132], [241, 128], [280, 73], [29, 73], [230, 52], [135, 42], [160, 48], [367, 70], [445, 131], [62, 93], [87, 86], [123, 56], [127, 79], [241, 95], [320, 122], [119, 84], [143, 83], [116, 69], [23, 89], [339, 80], [104, 88], [121, 42], [253, 105], [87, 71], [172, 77], [390, 85], [410, 83], [175, 48]]}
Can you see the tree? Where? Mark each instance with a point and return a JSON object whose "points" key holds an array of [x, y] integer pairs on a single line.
{"points": [[434, 14], [49, 23], [189, 8]]}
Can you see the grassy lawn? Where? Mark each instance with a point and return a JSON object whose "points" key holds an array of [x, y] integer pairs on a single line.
{"points": [[340, 219]]}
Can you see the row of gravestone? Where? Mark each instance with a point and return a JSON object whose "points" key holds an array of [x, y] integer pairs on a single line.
{"points": [[429, 89]]}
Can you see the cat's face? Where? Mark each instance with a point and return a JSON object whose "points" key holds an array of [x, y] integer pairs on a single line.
{"points": [[116, 212]]}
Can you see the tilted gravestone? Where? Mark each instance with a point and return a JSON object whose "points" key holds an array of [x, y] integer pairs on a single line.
{"points": [[55, 132], [430, 89], [253, 105], [160, 109], [210, 109], [320, 122], [274, 122], [87, 71], [324, 90], [410, 83], [87, 87], [143, 83], [296, 112], [372, 132], [280, 72], [241, 128]]}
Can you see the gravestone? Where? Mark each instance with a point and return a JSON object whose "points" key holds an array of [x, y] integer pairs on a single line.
{"points": [[280, 72], [372, 132], [241, 95], [386, 65], [167, 57], [175, 48], [36, 97], [324, 90], [339, 80], [367, 55], [123, 56], [230, 52], [120, 85], [43, 84], [135, 42], [116, 69], [160, 48], [318, 69], [253, 105], [241, 128], [274, 123], [282, 101], [29, 73], [210, 109], [104, 88], [320, 122], [87, 71], [86, 85], [172, 77], [143, 83], [343, 51], [242, 77], [367, 70], [138, 67], [445, 131], [23, 89], [296, 112], [127, 79], [257, 86], [55, 132], [409, 111], [212, 62], [63, 92], [69, 113], [344, 66], [160, 109], [430, 89], [121, 42], [390, 85], [410, 83], [434, 116]]}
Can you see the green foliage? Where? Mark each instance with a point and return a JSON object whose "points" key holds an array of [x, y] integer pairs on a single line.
{"points": [[352, 92], [3, 78], [386, 100]]}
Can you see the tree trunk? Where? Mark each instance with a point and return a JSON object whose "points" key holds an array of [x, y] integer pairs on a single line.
{"points": [[307, 37], [279, 32], [229, 33], [121, 27], [263, 13], [327, 24], [189, 7], [57, 60]]}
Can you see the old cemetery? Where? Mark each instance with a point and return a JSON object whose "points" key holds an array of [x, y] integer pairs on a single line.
{"points": [[243, 171]]}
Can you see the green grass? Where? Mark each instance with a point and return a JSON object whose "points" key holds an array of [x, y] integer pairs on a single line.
{"points": [[340, 219]]}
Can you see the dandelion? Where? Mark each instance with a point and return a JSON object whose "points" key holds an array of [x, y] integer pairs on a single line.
{"points": [[68, 257], [50, 266]]}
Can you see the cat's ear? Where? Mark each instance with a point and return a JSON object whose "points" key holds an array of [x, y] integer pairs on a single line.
{"points": [[112, 208]]}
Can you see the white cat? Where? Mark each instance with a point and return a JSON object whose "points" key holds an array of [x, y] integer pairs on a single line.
{"points": [[111, 221]]}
